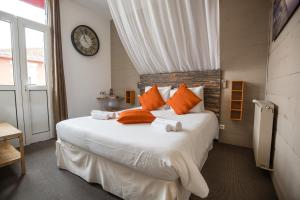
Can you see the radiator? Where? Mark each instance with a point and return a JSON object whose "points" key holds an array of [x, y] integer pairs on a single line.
{"points": [[262, 133]]}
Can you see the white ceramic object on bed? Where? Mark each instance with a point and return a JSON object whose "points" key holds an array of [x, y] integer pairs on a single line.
{"points": [[164, 92], [199, 92]]}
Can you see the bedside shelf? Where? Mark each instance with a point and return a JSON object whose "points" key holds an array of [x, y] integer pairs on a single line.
{"points": [[8, 154], [130, 97], [237, 99]]}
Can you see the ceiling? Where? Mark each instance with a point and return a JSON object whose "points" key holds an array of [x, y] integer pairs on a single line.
{"points": [[100, 6]]}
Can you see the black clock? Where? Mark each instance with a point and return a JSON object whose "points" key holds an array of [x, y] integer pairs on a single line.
{"points": [[85, 40]]}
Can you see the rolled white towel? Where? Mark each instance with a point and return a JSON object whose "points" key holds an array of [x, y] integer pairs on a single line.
{"points": [[162, 126], [102, 115], [167, 124]]}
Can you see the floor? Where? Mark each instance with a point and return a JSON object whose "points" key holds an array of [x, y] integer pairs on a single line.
{"points": [[229, 171]]}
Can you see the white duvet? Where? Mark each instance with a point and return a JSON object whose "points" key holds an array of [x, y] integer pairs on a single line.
{"points": [[164, 155]]}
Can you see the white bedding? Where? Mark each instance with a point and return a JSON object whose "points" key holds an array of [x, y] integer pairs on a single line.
{"points": [[163, 155], [116, 178]]}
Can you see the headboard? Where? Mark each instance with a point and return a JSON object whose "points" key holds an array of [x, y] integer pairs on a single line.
{"points": [[211, 80]]}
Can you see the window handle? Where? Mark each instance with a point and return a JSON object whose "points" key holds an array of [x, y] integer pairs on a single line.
{"points": [[26, 86]]}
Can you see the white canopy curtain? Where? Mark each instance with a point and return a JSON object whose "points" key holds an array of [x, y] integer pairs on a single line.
{"points": [[169, 35]]}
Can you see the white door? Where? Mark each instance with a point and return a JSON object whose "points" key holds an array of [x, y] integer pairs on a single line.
{"points": [[10, 80], [31, 80], [35, 70]]}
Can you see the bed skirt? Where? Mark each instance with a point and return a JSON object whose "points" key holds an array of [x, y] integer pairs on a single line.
{"points": [[115, 178]]}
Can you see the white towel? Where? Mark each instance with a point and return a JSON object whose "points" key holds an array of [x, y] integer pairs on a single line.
{"points": [[167, 124], [162, 126], [103, 115]]}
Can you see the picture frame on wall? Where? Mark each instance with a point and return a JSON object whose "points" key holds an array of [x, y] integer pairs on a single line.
{"points": [[283, 10]]}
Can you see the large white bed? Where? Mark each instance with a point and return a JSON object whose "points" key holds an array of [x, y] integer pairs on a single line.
{"points": [[138, 161]]}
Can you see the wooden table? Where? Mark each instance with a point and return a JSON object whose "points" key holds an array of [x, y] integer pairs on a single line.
{"points": [[111, 103], [8, 153]]}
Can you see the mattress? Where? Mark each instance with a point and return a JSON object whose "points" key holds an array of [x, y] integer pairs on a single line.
{"points": [[163, 155]]}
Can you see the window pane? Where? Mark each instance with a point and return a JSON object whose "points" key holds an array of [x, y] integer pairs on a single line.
{"points": [[6, 64], [34, 10], [35, 57]]}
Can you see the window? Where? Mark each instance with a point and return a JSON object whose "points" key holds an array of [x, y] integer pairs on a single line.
{"points": [[6, 64], [34, 10], [35, 57]]}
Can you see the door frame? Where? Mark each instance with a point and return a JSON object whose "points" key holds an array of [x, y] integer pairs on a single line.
{"points": [[18, 25], [17, 87], [22, 24]]}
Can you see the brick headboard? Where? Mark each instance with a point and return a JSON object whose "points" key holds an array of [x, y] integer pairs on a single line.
{"points": [[210, 79]]}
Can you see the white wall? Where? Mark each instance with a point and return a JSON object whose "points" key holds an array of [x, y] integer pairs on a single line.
{"points": [[244, 51], [283, 89], [123, 73], [85, 76]]}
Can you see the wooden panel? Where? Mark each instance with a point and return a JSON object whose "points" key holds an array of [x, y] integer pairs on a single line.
{"points": [[211, 80]]}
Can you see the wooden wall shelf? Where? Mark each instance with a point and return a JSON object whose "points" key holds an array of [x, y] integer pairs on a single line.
{"points": [[130, 97], [237, 99]]}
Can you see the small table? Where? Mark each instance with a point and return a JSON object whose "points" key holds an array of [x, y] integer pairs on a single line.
{"points": [[111, 103], [8, 153]]}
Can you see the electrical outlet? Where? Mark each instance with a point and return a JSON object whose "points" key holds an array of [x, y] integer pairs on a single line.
{"points": [[222, 126]]}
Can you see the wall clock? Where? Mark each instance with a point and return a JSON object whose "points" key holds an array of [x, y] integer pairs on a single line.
{"points": [[85, 40]]}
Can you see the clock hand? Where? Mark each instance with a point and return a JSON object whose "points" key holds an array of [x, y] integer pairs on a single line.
{"points": [[88, 42], [84, 36]]}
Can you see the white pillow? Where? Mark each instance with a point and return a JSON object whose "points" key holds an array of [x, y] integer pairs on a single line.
{"points": [[199, 92], [165, 94]]}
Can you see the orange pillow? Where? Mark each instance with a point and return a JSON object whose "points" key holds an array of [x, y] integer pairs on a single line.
{"points": [[151, 99], [183, 100], [135, 116]]}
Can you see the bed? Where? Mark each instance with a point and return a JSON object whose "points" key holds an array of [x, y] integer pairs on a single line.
{"points": [[138, 161]]}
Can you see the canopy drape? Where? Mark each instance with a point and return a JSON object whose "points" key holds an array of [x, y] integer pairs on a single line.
{"points": [[169, 35], [59, 97]]}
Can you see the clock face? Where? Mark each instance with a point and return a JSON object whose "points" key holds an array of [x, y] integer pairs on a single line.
{"points": [[85, 40]]}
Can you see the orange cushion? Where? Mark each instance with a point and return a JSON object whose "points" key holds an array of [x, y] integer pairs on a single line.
{"points": [[135, 116], [183, 100], [151, 99]]}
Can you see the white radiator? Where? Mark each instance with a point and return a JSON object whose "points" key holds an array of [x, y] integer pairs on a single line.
{"points": [[262, 133]]}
